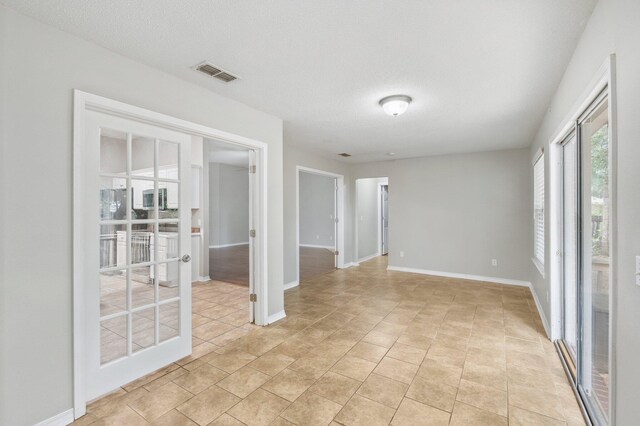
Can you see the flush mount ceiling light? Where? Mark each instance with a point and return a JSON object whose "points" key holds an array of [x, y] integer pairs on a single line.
{"points": [[395, 105]]}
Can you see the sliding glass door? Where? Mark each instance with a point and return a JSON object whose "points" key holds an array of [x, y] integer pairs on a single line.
{"points": [[586, 257]]}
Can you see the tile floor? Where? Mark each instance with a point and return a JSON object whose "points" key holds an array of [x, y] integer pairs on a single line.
{"points": [[360, 346]]}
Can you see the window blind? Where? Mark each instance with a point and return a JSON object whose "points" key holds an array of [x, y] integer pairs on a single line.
{"points": [[538, 209]]}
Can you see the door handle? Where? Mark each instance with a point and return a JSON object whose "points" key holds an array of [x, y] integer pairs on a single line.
{"points": [[186, 258]]}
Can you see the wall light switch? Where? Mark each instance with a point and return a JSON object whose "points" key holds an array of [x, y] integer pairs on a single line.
{"points": [[638, 270]]}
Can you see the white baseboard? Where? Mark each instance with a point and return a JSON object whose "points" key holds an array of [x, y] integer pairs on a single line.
{"points": [[364, 259], [202, 279], [276, 317], [317, 246], [461, 276], [230, 245], [349, 265], [61, 419], [543, 317], [292, 284]]}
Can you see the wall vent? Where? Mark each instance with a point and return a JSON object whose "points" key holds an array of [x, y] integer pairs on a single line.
{"points": [[344, 154], [215, 72]]}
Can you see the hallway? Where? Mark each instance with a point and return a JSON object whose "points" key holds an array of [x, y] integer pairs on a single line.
{"points": [[366, 346]]}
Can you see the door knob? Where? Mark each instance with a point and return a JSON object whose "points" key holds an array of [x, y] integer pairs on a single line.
{"points": [[186, 258]]}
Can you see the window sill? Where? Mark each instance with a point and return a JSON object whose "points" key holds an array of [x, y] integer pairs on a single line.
{"points": [[538, 265]]}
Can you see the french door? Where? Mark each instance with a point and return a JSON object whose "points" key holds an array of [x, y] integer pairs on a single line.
{"points": [[586, 257], [135, 222]]}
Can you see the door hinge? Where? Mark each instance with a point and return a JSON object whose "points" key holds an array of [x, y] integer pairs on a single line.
{"points": [[253, 297], [252, 169], [252, 233], [336, 252]]}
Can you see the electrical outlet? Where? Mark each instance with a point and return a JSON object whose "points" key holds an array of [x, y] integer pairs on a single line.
{"points": [[494, 262], [401, 254], [637, 270]]}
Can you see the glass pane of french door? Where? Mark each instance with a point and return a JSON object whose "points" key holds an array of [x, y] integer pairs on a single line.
{"points": [[570, 246], [595, 287]]}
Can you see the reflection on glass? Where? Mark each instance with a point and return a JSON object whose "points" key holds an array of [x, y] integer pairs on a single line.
{"points": [[113, 151], [143, 329], [113, 339], [168, 196], [169, 280], [168, 241], [113, 198], [168, 160], [113, 292], [144, 199], [113, 246], [142, 243], [142, 287], [570, 228], [142, 156], [595, 351], [169, 320]]}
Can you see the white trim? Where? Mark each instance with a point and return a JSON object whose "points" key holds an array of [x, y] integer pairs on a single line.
{"points": [[496, 280], [246, 243], [86, 101], [539, 266], [61, 419], [538, 155], [276, 317], [351, 265], [317, 246], [291, 285], [201, 279], [543, 317], [380, 185], [364, 259], [340, 202]]}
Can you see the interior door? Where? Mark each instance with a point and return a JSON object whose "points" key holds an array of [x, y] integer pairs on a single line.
{"points": [[385, 218], [136, 293]]}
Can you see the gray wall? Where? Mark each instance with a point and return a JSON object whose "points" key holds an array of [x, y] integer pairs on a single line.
{"points": [[317, 210], [294, 156], [614, 27], [36, 113], [228, 204], [455, 213], [367, 216]]}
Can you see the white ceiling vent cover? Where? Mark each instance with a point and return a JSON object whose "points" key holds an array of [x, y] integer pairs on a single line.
{"points": [[215, 72]]}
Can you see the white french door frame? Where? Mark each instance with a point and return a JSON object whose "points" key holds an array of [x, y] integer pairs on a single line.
{"points": [[339, 207], [603, 82], [84, 102]]}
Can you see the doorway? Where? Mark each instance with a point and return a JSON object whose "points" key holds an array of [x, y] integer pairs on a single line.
{"points": [[371, 218], [586, 279], [136, 197], [383, 189], [320, 229]]}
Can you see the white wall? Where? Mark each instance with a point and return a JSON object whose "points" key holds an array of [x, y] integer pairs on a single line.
{"points": [[455, 213], [228, 204], [317, 210], [614, 27], [294, 156], [367, 207], [36, 164]]}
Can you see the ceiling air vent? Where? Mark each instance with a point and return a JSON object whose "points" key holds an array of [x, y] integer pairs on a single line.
{"points": [[344, 154], [215, 72]]}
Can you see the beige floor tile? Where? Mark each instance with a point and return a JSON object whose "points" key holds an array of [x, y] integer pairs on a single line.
{"points": [[160, 401], [123, 416], [289, 384], [211, 329], [208, 405], [520, 417], [200, 378], [114, 402], [244, 381], [226, 420], [494, 377], [396, 370], [433, 393], [280, 421], [536, 400], [173, 418], [412, 413], [271, 363], [229, 362], [415, 340], [383, 390], [259, 408], [438, 371], [446, 355], [483, 397], [363, 411], [335, 387], [530, 378], [466, 415], [407, 353], [311, 409], [356, 368], [381, 339], [368, 351]]}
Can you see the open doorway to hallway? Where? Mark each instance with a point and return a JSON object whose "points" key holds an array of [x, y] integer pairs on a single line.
{"points": [[372, 218]]}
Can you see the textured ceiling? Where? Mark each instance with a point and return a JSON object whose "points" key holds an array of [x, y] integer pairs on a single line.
{"points": [[481, 72]]}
